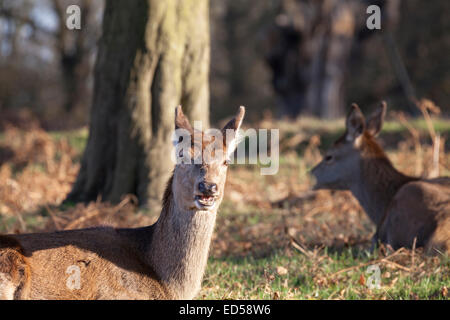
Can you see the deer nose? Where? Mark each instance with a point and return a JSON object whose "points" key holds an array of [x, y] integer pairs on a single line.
{"points": [[207, 188]]}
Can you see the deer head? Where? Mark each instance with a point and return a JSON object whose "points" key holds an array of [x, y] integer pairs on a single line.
{"points": [[202, 162], [341, 165]]}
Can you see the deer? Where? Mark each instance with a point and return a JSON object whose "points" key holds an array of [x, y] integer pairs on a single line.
{"points": [[165, 260], [407, 211]]}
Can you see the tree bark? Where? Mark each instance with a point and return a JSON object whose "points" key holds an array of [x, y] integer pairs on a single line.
{"points": [[309, 49], [153, 56], [74, 48]]}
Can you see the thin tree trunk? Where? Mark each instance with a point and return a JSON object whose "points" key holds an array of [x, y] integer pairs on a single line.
{"points": [[153, 56]]}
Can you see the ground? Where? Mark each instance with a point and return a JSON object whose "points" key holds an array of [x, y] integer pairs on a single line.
{"points": [[274, 238]]}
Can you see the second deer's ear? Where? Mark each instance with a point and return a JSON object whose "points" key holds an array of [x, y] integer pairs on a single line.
{"points": [[375, 122], [181, 121], [355, 123]]}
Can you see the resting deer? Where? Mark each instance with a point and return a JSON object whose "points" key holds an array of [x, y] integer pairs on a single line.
{"points": [[163, 261], [402, 207]]}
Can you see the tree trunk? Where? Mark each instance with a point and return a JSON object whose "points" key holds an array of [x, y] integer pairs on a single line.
{"points": [[74, 49], [309, 49], [153, 56]]}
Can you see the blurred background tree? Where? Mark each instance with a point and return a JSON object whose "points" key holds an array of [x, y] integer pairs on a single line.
{"points": [[315, 57], [289, 57], [45, 66], [308, 52]]}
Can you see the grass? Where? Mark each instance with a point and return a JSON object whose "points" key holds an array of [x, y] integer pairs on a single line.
{"points": [[306, 277], [274, 239], [77, 139], [440, 125]]}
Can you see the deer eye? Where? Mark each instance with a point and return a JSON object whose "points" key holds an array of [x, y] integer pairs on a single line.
{"points": [[328, 158]]}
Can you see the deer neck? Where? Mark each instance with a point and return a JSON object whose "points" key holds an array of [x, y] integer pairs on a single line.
{"points": [[179, 248], [376, 186]]}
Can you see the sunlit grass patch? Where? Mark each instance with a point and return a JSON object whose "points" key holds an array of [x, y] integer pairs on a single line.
{"points": [[293, 275]]}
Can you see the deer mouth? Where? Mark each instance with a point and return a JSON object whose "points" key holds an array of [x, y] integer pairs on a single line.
{"points": [[204, 201]]}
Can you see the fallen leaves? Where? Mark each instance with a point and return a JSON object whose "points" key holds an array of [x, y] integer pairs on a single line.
{"points": [[362, 280], [444, 292], [281, 271]]}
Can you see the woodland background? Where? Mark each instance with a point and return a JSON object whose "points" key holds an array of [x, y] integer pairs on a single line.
{"points": [[261, 57]]}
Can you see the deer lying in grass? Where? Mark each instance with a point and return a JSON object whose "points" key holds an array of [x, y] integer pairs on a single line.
{"points": [[403, 208], [163, 261]]}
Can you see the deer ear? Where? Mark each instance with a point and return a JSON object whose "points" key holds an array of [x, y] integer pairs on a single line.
{"points": [[375, 122], [181, 121], [355, 123], [229, 132], [235, 123]]}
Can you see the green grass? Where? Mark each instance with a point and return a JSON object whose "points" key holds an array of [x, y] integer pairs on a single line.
{"points": [[440, 125], [76, 138], [312, 278], [32, 221]]}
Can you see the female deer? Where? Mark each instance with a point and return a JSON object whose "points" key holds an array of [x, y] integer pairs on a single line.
{"points": [[402, 207], [163, 261]]}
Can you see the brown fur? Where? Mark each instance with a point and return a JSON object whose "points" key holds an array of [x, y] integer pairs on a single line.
{"points": [[420, 209], [163, 261], [14, 270], [110, 262]]}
